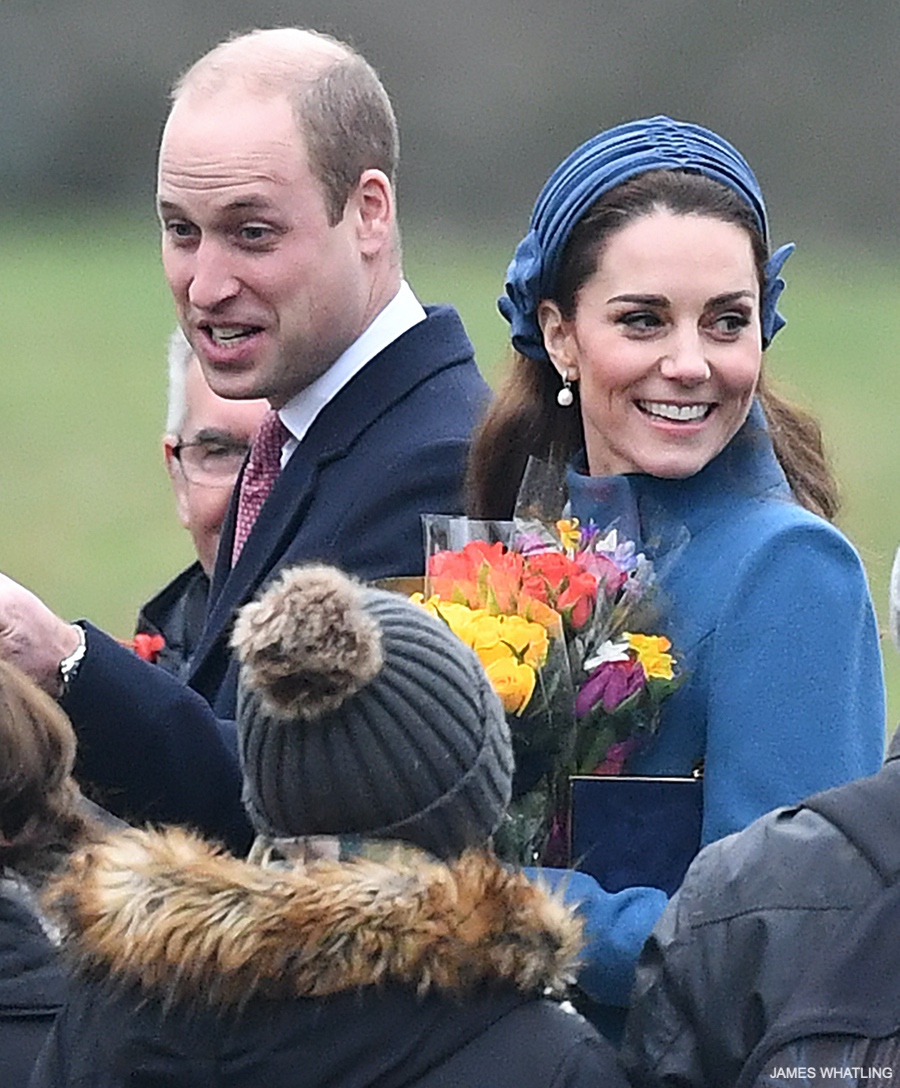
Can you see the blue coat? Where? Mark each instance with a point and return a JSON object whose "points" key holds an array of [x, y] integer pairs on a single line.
{"points": [[388, 448], [769, 608]]}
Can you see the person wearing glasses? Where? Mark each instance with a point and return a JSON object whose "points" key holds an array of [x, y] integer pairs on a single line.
{"points": [[205, 444]]}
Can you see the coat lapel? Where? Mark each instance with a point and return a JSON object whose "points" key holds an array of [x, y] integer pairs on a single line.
{"points": [[426, 349]]}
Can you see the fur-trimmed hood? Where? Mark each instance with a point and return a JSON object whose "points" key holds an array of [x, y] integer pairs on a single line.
{"points": [[191, 923]]}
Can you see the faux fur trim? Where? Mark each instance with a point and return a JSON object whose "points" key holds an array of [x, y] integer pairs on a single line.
{"points": [[181, 917]]}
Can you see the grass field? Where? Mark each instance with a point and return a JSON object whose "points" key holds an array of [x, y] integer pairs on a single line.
{"points": [[88, 520]]}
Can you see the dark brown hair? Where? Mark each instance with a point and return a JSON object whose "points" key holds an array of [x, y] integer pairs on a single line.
{"points": [[39, 799], [525, 419]]}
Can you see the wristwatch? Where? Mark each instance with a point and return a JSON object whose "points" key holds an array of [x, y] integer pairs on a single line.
{"points": [[68, 667]]}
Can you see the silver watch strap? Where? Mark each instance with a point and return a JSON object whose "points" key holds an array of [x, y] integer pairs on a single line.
{"points": [[69, 665]]}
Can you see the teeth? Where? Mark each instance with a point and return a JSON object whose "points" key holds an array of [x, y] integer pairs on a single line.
{"points": [[679, 412], [225, 333]]}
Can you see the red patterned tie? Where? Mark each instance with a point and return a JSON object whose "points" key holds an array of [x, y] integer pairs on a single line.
{"points": [[262, 470]]}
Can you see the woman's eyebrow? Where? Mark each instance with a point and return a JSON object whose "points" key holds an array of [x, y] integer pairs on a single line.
{"points": [[644, 300], [730, 296]]}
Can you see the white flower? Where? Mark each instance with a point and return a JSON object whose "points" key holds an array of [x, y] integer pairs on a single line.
{"points": [[610, 651]]}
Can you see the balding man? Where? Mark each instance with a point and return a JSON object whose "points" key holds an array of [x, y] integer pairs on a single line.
{"points": [[281, 248]]}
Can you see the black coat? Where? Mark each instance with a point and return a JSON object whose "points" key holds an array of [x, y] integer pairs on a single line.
{"points": [[758, 913], [177, 613], [845, 1012], [114, 1040], [199, 970], [32, 984], [388, 448]]}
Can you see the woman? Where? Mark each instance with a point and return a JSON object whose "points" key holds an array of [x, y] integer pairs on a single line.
{"points": [[641, 301], [40, 822]]}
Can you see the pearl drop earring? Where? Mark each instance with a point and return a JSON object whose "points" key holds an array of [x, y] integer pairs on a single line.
{"points": [[565, 396]]}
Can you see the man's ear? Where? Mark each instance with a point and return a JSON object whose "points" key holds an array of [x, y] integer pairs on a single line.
{"points": [[373, 205], [559, 339], [177, 477]]}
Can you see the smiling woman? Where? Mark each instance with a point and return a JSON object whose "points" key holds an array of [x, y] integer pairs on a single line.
{"points": [[664, 343], [640, 304]]}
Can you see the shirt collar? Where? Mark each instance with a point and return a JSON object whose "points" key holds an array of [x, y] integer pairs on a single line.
{"points": [[401, 314]]}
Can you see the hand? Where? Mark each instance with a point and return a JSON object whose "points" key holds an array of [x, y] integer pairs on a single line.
{"points": [[32, 637]]}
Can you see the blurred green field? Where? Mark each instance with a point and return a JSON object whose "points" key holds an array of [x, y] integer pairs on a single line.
{"points": [[88, 519]]}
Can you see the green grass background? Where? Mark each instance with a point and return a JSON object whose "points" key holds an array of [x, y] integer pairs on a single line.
{"points": [[88, 521]]}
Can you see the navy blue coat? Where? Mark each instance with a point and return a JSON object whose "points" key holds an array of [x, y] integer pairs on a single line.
{"points": [[389, 447]]}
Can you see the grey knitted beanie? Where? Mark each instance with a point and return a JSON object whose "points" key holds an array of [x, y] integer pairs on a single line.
{"points": [[360, 714]]}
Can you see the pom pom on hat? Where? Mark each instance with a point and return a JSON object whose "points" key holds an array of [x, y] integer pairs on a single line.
{"points": [[307, 644]]}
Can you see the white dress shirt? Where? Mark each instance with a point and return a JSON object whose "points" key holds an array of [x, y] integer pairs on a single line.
{"points": [[401, 314]]}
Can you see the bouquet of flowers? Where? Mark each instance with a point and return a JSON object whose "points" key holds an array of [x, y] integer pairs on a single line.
{"points": [[513, 612], [621, 673], [553, 614]]}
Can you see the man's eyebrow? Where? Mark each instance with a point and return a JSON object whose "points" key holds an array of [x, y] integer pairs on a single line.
{"points": [[241, 204], [210, 435], [253, 203]]}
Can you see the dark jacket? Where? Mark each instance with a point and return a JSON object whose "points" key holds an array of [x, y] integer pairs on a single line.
{"points": [[388, 448], [177, 614], [200, 970], [755, 912], [845, 1012], [32, 984]]}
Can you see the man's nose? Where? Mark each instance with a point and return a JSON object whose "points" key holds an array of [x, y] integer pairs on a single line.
{"points": [[212, 281]]}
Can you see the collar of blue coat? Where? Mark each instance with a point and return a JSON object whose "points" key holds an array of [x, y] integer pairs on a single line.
{"points": [[656, 512]]}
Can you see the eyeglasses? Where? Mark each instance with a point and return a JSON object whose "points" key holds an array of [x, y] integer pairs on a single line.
{"points": [[210, 463]]}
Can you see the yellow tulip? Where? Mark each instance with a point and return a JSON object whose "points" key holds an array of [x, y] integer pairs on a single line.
{"points": [[569, 533], [430, 605], [458, 618], [651, 653], [528, 639], [513, 682]]}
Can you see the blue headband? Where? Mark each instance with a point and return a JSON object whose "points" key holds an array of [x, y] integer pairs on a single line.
{"points": [[605, 161]]}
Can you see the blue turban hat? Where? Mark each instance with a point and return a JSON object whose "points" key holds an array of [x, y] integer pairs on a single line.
{"points": [[599, 165]]}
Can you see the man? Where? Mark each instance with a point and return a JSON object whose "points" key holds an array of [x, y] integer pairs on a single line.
{"points": [[778, 951], [281, 248], [763, 961], [205, 444]]}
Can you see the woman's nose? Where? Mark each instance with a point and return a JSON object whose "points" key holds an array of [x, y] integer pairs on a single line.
{"points": [[685, 360]]}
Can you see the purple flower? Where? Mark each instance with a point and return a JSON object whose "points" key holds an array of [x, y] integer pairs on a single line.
{"points": [[616, 754], [611, 577], [610, 684], [531, 544]]}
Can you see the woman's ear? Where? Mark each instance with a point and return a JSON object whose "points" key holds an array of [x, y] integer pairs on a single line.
{"points": [[559, 339]]}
